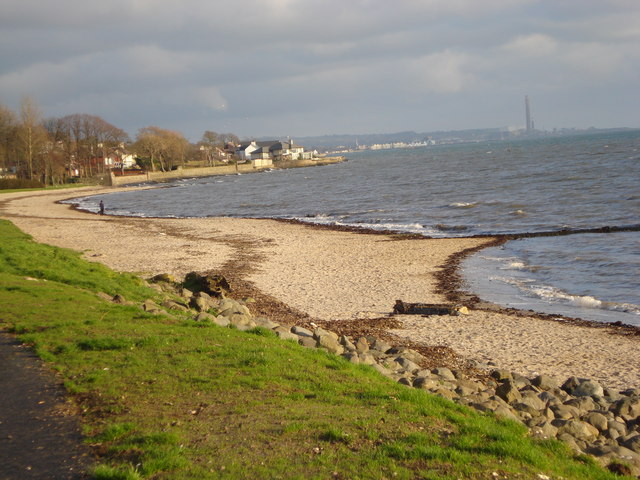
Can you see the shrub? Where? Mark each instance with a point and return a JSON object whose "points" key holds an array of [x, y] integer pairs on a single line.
{"points": [[17, 183]]}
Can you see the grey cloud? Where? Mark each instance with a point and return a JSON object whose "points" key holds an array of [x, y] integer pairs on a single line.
{"points": [[309, 66]]}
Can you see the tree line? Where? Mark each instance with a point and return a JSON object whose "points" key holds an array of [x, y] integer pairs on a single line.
{"points": [[52, 151]]}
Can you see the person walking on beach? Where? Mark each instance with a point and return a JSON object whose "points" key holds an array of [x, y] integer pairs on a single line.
{"points": [[101, 207]]}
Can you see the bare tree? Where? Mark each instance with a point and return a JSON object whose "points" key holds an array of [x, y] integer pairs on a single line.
{"points": [[8, 129], [31, 135], [164, 147]]}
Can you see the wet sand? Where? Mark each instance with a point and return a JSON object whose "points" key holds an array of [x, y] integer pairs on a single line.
{"points": [[331, 275]]}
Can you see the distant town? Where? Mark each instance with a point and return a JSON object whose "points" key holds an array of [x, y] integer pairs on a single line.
{"points": [[340, 144]]}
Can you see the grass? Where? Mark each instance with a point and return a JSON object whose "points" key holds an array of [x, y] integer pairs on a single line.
{"points": [[166, 397]]}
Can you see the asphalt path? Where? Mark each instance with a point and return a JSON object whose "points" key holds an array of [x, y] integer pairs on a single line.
{"points": [[40, 436]]}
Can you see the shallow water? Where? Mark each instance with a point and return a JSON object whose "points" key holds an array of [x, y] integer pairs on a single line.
{"points": [[533, 185]]}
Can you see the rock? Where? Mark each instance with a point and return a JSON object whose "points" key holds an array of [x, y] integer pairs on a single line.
{"points": [[467, 387], [163, 277], [445, 393], [241, 322], [579, 430], [367, 358], [152, 307], [329, 343], [444, 373], [204, 317], [213, 284], [171, 305], [380, 345], [584, 404], [633, 444], [565, 412], [265, 323], [407, 364], [362, 345], [618, 427], [627, 406], [570, 441], [302, 332], [308, 342], [532, 400], [501, 375], [508, 392], [221, 321], [285, 334], [588, 388], [544, 431], [320, 332], [352, 357], [426, 383], [347, 344], [382, 370], [597, 420], [545, 382], [502, 411], [119, 299]]}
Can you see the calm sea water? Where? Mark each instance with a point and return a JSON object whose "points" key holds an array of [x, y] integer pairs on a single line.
{"points": [[530, 185]]}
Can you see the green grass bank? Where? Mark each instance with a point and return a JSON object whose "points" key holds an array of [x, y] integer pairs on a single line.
{"points": [[165, 397]]}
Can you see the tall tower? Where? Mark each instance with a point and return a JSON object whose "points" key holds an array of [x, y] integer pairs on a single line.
{"points": [[527, 111]]}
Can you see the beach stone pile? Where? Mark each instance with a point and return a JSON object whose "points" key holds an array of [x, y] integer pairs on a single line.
{"points": [[588, 417]]}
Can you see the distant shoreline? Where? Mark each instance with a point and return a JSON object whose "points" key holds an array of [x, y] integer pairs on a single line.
{"points": [[197, 172]]}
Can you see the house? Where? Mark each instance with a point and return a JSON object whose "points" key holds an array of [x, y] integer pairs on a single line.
{"points": [[273, 150]]}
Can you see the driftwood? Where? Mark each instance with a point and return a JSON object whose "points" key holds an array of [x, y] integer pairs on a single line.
{"points": [[427, 308]]}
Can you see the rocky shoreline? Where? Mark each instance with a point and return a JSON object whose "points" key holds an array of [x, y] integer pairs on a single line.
{"points": [[585, 415]]}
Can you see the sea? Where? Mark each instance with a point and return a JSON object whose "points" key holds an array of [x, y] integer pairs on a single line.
{"points": [[509, 187]]}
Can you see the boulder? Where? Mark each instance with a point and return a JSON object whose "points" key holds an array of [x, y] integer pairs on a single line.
{"points": [[171, 305], [285, 334], [308, 342], [211, 283], [588, 388], [444, 373], [163, 278], [330, 343], [320, 332], [362, 345], [152, 307], [302, 332], [508, 392], [545, 382], [204, 317], [579, 430], [629, 407], [221, 321], [265, 323], [633, 444], [598, 420]]}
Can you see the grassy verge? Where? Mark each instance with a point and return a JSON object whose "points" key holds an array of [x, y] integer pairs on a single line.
{"points": [[166, 397]]}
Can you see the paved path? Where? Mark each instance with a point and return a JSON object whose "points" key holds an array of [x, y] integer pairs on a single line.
{"points": [[39, 436]]}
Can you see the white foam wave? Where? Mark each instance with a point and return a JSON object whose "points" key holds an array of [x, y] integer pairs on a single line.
{"points": [[463, 204]]}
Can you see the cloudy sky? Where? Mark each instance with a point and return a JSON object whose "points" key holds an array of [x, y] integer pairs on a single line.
{"points": [[316, 67]]}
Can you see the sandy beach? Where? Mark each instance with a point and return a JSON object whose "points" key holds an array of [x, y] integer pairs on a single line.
{"points": [[330, 275]]}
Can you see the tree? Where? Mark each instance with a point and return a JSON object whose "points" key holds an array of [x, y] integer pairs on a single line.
{"points": [[163, 147], [32, 136], [85, 141], [211, 138], [8, 129]]}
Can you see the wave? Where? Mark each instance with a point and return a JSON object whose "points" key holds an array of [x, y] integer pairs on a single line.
{"points": [[463, 204], [553, 295]]}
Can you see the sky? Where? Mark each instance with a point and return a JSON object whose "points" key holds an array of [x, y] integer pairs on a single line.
{"points": [[317, 67]]}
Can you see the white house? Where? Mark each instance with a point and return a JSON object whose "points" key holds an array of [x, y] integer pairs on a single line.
{"points": [[273, 150]]}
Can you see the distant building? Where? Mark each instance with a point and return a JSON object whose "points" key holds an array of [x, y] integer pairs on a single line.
{"points": [[527, 111], [271, 150]]}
